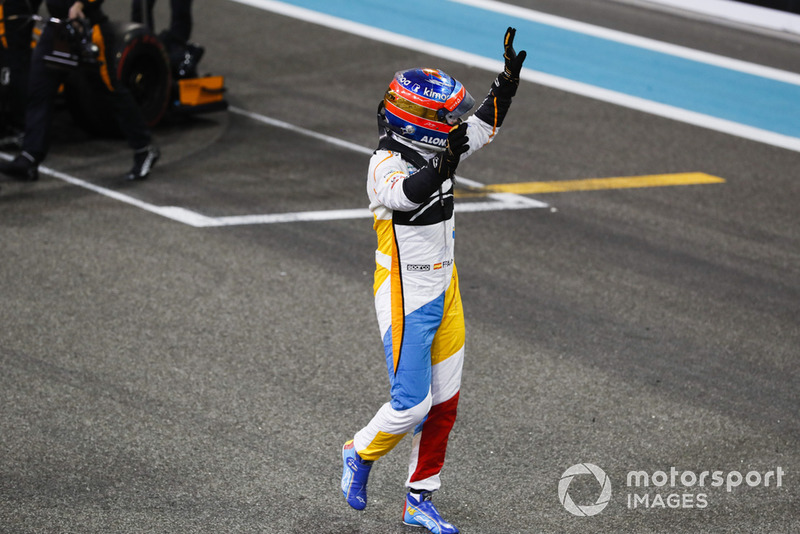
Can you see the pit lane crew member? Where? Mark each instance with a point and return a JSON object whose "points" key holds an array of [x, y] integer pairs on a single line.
{"points": [[43, 87], [16, 32], [183, 55]]}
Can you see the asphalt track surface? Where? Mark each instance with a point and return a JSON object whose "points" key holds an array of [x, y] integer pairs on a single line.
{"points": [[162, 377]]}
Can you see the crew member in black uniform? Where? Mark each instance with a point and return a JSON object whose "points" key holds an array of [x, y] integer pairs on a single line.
{"points": [[183, 56], [16, 32], [43, 88], [180, 25]]}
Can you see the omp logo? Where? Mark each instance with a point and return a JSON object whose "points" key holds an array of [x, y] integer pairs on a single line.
{"points": [[584, 510], [412, 267]]}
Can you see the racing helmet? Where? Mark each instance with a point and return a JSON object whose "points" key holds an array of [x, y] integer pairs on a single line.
{"points": [[423, 105]]}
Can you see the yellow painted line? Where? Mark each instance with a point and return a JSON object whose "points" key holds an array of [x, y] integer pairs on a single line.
{"points": [[595, 184]]}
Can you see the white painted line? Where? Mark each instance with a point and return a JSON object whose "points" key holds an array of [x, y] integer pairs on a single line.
{"points": [[338, 215], [299, 216], [302, 131], [170, 212], [663, 110], [501, 201], [501, 198], [638, 41], [499, 205], [740, 12], [375, 34], [556, 82]]}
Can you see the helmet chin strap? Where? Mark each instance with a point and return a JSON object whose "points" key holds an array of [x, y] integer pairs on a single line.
{"points": [[383, 125]]}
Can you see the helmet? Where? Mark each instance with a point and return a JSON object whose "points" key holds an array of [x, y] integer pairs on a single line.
{"points": [[422, 105]]}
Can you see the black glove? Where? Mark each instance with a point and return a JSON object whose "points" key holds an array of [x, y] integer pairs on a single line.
{"points": [[423, 183], [507, 81], [457, 144]]}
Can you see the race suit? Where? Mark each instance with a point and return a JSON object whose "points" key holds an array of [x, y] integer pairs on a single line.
{"points": [[418, 303]]}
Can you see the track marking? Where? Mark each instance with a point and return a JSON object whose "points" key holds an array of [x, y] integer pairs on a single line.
{"points": [[596, 184], [502, 196], [499, 200], [637, 40], [734, 11], [170, 212], [639, 103]]}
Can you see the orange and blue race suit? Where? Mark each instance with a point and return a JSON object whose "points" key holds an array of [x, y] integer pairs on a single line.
{"points": [[418, 305]]}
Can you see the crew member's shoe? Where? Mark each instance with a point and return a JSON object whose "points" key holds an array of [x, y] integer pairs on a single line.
{"points": [[422, 513], [144, 160], [354, 477], [23, 168], [187, 64]]}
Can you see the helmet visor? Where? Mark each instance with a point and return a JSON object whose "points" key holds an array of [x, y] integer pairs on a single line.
{"points": [[392, 97], [462, 101]]}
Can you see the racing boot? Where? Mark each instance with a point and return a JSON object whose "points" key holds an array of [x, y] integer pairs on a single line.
{"points": [[144, 160], [419, 511], [23, 168], [354, 477]]}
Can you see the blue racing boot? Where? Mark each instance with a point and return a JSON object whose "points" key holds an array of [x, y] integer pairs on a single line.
{"points": [[422, 513], [354, 477]]}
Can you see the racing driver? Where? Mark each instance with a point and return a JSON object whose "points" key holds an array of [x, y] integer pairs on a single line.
{"points": [[410, 185]]}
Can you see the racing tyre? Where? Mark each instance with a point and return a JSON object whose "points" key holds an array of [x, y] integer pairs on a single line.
{"points": [[142, 66]]}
